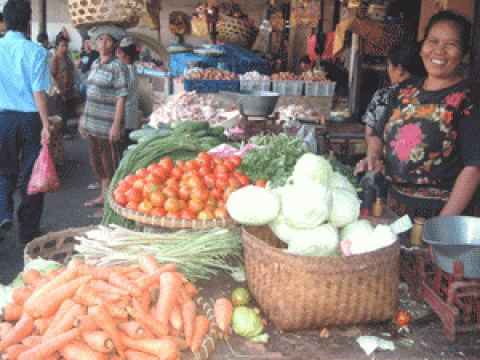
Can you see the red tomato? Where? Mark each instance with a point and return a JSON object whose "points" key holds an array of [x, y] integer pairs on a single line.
{"points": [[177, 172], [132, 205], [204, 171], [188, 214], [170, 192], [191, 165], [173, 214], [134, 195], [121, 199], [171, 204], [173, 183], [157, 199], [184, 192], [139, 184], [234, 182], [210, 181], [195, 205], [228, 192], [145, 207], [199, 193], [244, 180], [229, 165], [217, 194], [161, 173], [220, 213], [130, 179], [180, 163], [205, 215], [403, 318], [167, 164], [154, 178], [222, 183], [142, 172], [237, 160], [158, 211], [261, 183]]}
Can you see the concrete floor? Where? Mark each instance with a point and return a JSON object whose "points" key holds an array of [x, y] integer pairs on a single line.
{"points": [[64, 209]]}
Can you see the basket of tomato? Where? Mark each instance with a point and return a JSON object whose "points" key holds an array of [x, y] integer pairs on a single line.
{"points": [[180, 194]]}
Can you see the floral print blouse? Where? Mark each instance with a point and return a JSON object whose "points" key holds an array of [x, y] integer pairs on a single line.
{"points": [[429, 138]]}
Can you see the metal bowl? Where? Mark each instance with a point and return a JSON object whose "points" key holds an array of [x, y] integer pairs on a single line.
{"points": [[258, 103], [455, 238]]}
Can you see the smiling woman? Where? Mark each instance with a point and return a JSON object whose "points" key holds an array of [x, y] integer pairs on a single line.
{"points": [[429, 148]]}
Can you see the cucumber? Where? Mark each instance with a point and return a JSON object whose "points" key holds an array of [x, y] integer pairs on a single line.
{"points": [[136, 135], [216, 130], [189, 126]]}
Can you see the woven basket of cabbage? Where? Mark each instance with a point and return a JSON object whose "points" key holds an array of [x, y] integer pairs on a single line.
{"points": [[299, 292]]}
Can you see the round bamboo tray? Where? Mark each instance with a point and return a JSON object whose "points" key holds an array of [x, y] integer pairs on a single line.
{"points": [[235, 31], [302, 292], [157, 221], [86, 14]]}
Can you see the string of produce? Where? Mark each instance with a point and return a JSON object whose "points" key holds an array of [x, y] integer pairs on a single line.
{"points": [[196, 253]]}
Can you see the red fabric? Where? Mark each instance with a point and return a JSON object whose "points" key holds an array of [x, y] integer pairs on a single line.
{"points": [[311, 42], [328, 52]]}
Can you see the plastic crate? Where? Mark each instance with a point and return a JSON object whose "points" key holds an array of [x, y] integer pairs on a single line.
{"points": [[255, 84], [211, 86], [320, 88], [288, 87]]}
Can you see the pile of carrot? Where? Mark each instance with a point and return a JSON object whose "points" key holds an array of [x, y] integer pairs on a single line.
{"points": [[98, 313]]}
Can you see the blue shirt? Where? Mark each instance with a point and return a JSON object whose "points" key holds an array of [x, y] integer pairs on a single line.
{"points": [[23, 70]]}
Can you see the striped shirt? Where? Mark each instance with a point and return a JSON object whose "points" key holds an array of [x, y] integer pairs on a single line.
{"points": [[131, 106], [105, 84]]}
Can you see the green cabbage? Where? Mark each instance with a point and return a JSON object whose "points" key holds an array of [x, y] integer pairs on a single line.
{"points": [[345, 207], [246, 322], [305, 205], [320, 241], [311, 167], [340, 181], [253, 205]]}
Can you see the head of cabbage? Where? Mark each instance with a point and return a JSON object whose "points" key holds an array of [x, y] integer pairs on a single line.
{"points": [[319, 241], [311, 167], [345, 207]]}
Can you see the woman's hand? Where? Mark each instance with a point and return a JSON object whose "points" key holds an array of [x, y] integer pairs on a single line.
{"points": [[369, 163], [45, 136], [114, 135]]}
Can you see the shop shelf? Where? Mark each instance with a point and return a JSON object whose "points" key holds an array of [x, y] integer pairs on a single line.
{"points": [[212, 86]]}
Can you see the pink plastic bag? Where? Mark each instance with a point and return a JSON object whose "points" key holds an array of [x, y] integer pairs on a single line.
{"points": [[44, 176]]}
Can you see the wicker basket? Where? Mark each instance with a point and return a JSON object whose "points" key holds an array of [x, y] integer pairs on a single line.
{"points": [[301, 292], [150, 222], [234, 31], [88, 13]]}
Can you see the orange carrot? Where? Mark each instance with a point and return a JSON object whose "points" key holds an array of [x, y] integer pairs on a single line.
{"points": [[66, 323], [135, 329], [169, 287], [54, 356], [164, 348], [51, 274], [191, 289], [154, 325], [63, 309], [85, 323], [21, 293], [102, 272], [32, 340], [75, 262], [134, 275], [182, 295], [176, 317], [77, 350], [154, 293], [49, 346], [118, 309], [87, 296], [149, 279], [104, 287], [20, 330], [98, 340], [223, 310], [58, 295], [14, 351], [144, 300], [12, 311], [41, 297], [105, 321], [124, 282], [189, 311], [32, 277], [40, 325], [139, 355], [148, 264], [201, 326], [180, 341], [4, 328]]}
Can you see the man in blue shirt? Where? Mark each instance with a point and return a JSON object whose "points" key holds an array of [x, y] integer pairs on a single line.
{"points": [[24, 77]]}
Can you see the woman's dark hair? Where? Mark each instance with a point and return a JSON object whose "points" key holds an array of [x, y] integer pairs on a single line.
{"points": [[305, 59], [59, 39], [405, 52], [17, 15], [131, 51], [463, 26], [42, 37]]}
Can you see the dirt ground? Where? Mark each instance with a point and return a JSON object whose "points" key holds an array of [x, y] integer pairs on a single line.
{"points": [[422, 339]]}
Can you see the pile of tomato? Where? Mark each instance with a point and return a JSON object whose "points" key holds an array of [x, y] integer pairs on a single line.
{"points": [[193, 189]]}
